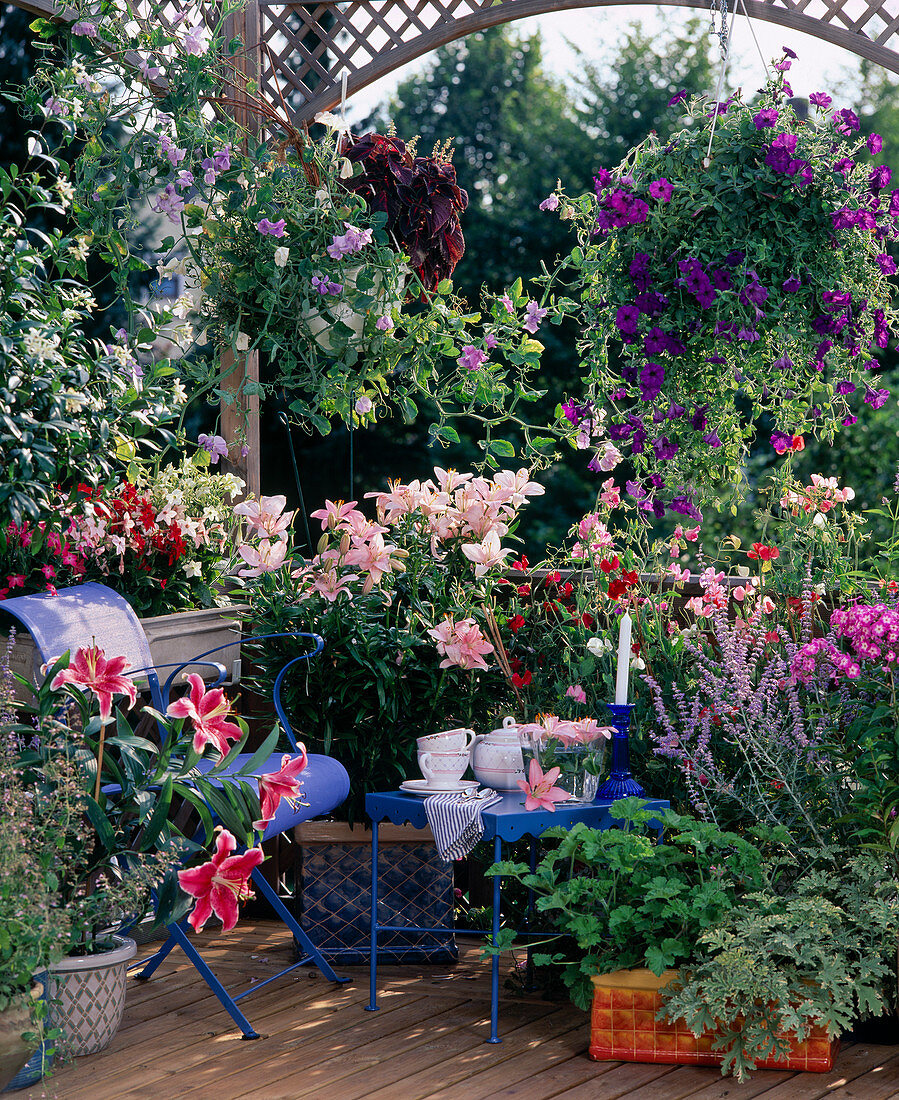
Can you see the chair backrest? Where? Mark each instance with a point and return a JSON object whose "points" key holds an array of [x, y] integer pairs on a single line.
{"points": [[85, 615]]}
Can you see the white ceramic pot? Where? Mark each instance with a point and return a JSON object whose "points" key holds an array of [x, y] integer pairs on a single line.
{"points": [[496, 757], [87, 997]]}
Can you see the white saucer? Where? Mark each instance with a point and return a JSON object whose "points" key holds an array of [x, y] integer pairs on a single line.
{"points": [[422, 788]]}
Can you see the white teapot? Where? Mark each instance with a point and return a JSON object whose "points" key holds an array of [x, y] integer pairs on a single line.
{"points": [[496, 757]]}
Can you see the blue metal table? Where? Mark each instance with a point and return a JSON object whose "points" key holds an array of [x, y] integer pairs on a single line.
{"points": [[504, 821]]}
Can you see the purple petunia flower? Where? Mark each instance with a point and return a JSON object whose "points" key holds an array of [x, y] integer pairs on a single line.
{"points": [[664, 449], [820, 99], [626, 318], [792, 284], [788, 52], [712, 439], [651, 379], [783, 66], [886, 263], [270, 228], [766, 118], [651, 303], [661, 189], [679, 97], [879, 178], [575, 413], [875, 144], [845, 122], [847, 421], [845, 387], [876, 398], [490, 341], [783, 363]]}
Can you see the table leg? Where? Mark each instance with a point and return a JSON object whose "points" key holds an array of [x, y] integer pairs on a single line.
{"points": [[494, 962], [529, 984], [372, 1005]]}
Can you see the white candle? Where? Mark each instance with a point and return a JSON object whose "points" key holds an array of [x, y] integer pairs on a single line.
{"points": [[624, 659]]}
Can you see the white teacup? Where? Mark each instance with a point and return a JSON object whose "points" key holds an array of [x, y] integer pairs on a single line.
{"points": [[443, 769], [447, 741]]}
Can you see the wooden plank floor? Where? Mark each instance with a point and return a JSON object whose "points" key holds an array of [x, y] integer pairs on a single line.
{"points": [[426, 1042]]}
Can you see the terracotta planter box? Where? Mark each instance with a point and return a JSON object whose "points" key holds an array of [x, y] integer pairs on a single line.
{"points": [[624, 1028], [173, 638]]}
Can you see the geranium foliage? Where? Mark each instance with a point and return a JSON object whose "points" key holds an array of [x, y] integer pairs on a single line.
{"points": [[713, 290]]}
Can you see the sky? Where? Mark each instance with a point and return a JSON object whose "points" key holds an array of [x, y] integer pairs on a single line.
{"points": [[820, 67]]}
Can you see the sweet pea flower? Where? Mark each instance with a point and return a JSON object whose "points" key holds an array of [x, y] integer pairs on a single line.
{"points": [[551, 202], [282, 255], [221, 884], [472, 358], [196, 40], [363, 406], [534, 314], [270, 228], [215, 445], [384, 324], [577, 693], [87, 30]]}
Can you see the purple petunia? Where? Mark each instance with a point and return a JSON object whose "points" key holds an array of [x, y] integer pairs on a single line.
{"points": [[664, 449], [879, 178], [845, 388], [845, 122], [886, 263], [679, 97], [661, 189], [651, 379], [875, 144], [766, 118], [876, 398], [820, 99], [626, 318], [783, 363], [792, 284]]}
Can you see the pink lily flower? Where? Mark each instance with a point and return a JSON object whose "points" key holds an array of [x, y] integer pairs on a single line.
{"points": [[91, 670], [373, 557], [264, 558], [208, 711], [485, 554], [221, 884], [266, 515], [540, 794], [333, 513], [280, 784]]}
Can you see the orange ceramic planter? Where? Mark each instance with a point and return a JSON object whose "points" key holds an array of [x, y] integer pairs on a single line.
{"points": [[624, 1028]]}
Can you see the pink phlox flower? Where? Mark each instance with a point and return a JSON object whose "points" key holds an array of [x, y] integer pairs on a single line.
{"points": [[265, 557], [208, 711], [333, 513], [221, 884], [485, 554], [534, 315], [280, 784], [576, 692], [91, 670], [539, 790]]}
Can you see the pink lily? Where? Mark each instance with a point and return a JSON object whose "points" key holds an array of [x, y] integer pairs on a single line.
{"points": [[264, 558], [540, 794], [208, 711], [486, 553], [221, 884], [373, 557], [333, 513], [280, 784], [266, 515], [91, 670]]}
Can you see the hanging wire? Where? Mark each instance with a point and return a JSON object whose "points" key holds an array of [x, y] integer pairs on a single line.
{"points": [[721, 21], [756, 41], [351, 426], [282, 416]]}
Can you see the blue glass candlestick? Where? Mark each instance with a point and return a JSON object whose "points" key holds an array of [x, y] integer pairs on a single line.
{"points": [[620, 783]]}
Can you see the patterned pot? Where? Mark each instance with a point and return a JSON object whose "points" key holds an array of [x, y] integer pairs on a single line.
{"points": [[87, 997]]}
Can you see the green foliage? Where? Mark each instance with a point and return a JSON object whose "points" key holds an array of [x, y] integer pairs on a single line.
{"points": [[628, 900], [776, 966]]}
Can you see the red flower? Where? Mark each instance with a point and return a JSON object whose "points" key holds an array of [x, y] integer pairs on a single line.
{"points": [[553, 578], [91, 670], [632, 577], [524, 590], [609, 566], [521, 565], [617, 588], [516, 623], [764, 553], [220, 884], [280, 784], [521, 681], [588, 621], [208, 711], [772, 636]]}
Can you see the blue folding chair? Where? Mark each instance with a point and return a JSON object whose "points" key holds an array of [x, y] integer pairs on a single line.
{"points": [[90, 614]]}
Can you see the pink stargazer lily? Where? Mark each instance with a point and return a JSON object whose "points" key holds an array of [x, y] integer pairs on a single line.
{"points": [[90, 669], [208, 711], [280, 784], [221, 884], [540, 794]]}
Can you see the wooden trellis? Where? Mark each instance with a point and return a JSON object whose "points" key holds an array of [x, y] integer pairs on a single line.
{"points": [[311, 48]]}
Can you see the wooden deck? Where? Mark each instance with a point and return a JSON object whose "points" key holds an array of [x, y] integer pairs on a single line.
{"points": [[427, 1041]]}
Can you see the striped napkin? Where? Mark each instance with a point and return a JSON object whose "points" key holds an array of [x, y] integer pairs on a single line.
{"points": [[455, 821]]}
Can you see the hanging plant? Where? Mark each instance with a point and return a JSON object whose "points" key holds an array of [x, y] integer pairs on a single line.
{"points": [[717, 285], [420, 197]]}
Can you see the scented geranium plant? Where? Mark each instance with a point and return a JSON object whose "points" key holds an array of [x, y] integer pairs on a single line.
{"points": [[169, 541], [719, 282], [289, 247], [121, 841], [406, 602]]}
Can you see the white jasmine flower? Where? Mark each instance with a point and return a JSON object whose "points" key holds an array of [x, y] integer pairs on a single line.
{"points": [[65, 191]]}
